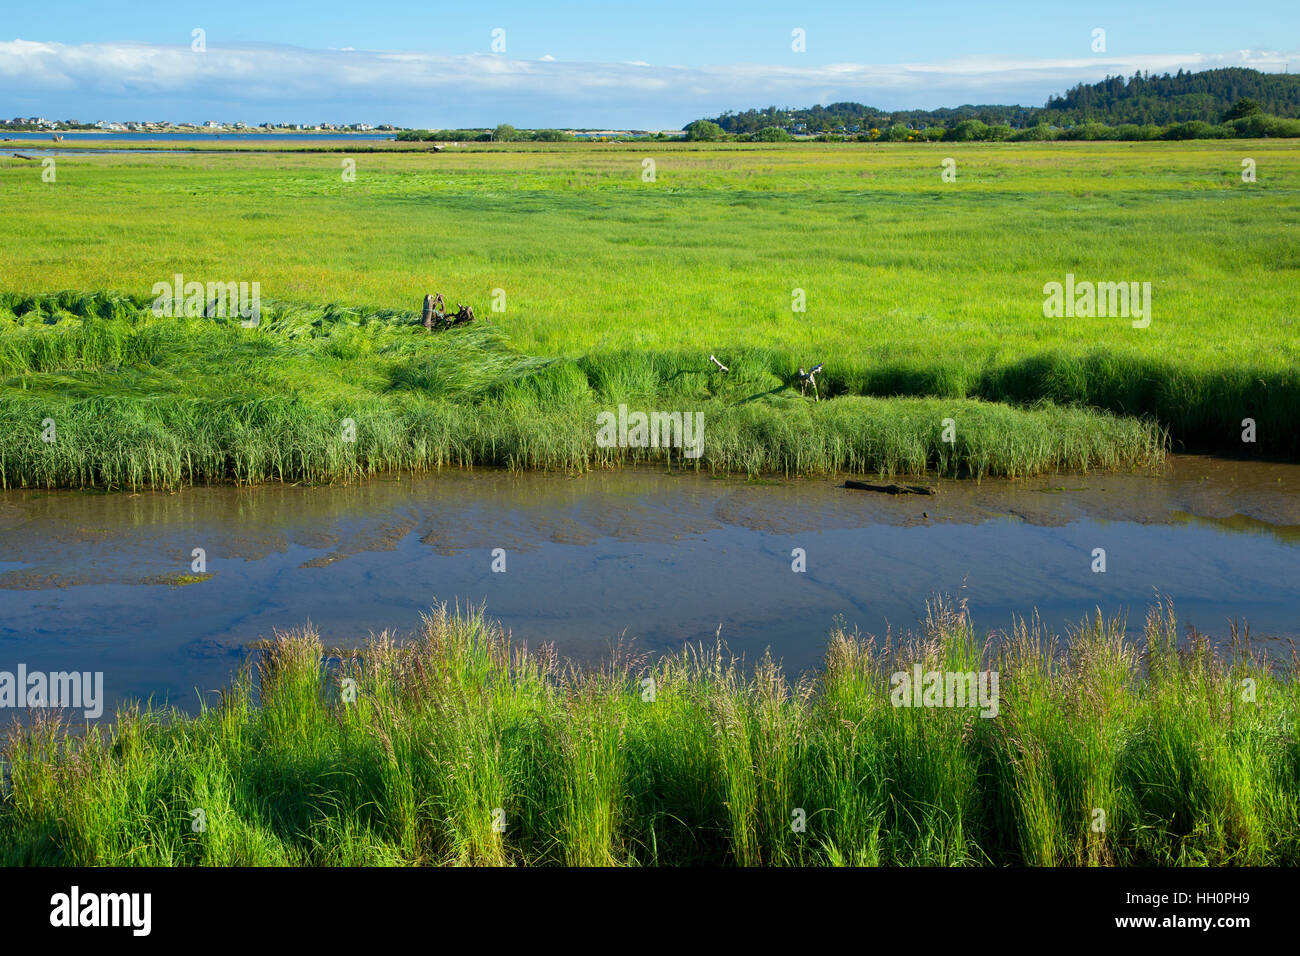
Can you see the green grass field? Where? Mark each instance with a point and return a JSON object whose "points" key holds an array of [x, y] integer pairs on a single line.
{"points": [[914, 287], [924, 299], [461, 749]]}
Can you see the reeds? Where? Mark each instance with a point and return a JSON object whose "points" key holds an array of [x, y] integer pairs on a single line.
{"points": [[463, 748], [97, 392]]}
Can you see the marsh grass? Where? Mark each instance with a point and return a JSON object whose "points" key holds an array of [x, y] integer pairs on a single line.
{"points": [[621, 289], [914, 287], [586, 768], [137, 400]]}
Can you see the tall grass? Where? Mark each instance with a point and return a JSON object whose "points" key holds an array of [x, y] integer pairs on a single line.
{"points": [[462, 748], [333, 393]]}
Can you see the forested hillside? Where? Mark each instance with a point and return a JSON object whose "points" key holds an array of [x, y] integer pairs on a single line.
{"points": [[1142, 98]]}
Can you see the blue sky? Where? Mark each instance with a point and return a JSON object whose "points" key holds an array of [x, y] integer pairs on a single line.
{"points": [[653, 64]]}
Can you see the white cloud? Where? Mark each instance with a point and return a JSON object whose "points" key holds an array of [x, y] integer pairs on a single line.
{"points": [[121, 80]]}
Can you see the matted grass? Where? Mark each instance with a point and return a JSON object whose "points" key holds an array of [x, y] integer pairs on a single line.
{"points": [[461, 748], [98, 392]]}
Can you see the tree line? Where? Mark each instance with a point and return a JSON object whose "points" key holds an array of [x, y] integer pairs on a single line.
{"points": [[1141, 100]]}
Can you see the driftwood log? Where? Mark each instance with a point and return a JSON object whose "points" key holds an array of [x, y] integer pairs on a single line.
{"points": [[890, 489]]}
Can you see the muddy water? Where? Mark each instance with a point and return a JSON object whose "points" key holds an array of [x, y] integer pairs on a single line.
{"points": [[98, 582]]}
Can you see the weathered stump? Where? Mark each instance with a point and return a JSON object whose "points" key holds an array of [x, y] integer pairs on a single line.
{"points": [[436, 315], [433, 311]]}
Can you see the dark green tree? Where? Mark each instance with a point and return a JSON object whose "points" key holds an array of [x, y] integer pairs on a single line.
{"points": [[704, 131], [1243, 107]]}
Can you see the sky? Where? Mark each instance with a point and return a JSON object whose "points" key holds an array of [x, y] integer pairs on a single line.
{"points": [[645, 64]]}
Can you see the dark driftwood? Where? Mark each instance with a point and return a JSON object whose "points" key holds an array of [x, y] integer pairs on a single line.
{"points": [[890, 489], [436, 315]]}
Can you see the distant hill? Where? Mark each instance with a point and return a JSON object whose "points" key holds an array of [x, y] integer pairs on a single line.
{"points": [[1142, 99], [1204, 96]]}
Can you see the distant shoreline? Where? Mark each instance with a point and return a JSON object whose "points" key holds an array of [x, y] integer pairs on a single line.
{"points": [[198, 133]]}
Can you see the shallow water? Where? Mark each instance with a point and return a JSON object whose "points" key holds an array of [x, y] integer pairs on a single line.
{"points": [[91, 581]]}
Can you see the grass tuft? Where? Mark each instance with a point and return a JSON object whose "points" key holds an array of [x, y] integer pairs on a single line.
{"points": [[461, 748]]}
